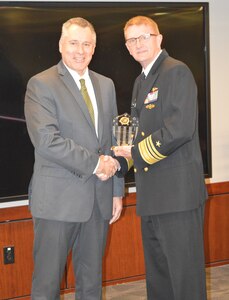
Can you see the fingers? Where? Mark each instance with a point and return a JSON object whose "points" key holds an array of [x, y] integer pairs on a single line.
{"points": [[117, 164], [117, 209], [107, 167], [110, 166], [124, 151], [102, 177]]}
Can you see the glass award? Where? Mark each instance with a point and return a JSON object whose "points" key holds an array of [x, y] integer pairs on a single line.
{"points": [[125, 129]]}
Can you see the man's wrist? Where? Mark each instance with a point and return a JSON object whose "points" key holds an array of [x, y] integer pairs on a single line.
{"points": [[97, 166]]}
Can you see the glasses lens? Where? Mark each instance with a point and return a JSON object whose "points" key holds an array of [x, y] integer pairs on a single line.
{"points": [[131, 41], [142, 38]]}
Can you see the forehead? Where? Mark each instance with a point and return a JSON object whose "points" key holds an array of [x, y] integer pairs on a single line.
{"points": [[79, 33], [136, 30]]}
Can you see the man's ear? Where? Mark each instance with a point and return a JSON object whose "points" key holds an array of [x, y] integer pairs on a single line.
{"points": [[60, 46], [159, 40], [128, 48]]}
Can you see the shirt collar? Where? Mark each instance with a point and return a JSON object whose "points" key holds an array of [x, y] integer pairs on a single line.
{"points": [[76, 76]]}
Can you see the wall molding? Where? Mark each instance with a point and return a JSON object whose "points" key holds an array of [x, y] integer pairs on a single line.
{"points": [[123, 260]]}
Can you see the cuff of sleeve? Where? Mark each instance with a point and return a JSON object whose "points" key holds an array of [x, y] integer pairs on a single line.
{"points": [[96, 166], [148, 151], [123, 166]]}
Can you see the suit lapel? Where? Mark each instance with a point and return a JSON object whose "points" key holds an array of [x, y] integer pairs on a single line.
{"points": [[98, 96], [73, 88]]}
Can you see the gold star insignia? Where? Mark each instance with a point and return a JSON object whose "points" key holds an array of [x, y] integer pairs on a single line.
{"points": [[158, 144]]}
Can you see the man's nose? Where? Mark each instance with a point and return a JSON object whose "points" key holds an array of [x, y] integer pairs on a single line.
{"points": [[138, 42], [80, 48]]}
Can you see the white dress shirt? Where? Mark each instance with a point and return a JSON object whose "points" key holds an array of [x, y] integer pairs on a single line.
{"points": [[90, 91]]}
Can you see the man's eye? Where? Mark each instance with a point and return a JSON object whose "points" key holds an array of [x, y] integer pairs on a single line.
{"points": [[86, 44]]}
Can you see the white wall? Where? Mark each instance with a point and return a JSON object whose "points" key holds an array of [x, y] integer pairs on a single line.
{"points": [[219, 64]]}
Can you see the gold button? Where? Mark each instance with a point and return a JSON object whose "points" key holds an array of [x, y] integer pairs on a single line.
{"points": [[146, 169], [143, 133], [135, 170]]}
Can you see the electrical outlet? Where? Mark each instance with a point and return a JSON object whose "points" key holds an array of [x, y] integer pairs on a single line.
{"points": [[8, 254]]}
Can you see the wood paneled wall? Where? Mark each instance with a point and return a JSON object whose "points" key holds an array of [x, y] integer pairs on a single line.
{"points": [[216, 229], [123, 259]]}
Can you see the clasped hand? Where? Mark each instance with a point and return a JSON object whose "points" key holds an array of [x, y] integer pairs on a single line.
{"points": [[107, 167], [124, 151]]}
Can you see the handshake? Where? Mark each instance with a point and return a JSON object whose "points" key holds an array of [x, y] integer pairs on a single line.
{"points": [[107, 167]]}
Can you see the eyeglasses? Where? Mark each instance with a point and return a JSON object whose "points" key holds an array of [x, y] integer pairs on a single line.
{"points": [[142, 38]]}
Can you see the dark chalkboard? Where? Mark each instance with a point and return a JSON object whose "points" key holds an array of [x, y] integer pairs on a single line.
{"points": [[29, 35]]}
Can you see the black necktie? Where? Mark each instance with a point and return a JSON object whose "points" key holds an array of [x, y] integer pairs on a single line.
{"points": [[143, 76], [142, 79]]}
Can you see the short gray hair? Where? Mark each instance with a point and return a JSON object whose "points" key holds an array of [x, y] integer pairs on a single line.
{"points": [[81, 22]]}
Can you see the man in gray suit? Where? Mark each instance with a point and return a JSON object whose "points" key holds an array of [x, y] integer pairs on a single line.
{"points": [[72, 185], [168, 167]]}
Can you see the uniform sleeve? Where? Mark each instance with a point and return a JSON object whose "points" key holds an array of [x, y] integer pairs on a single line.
{"points": [[179, 113], [125, 165]]}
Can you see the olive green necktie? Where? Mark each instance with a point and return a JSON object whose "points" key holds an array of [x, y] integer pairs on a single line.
{"points": [[87, 99]]}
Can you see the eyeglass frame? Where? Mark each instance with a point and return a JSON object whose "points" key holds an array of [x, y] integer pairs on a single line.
{"points": [[142, 38]]}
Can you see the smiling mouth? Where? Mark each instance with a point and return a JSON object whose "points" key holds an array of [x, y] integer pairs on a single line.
{"points": [[78, 59], [141, 52]]}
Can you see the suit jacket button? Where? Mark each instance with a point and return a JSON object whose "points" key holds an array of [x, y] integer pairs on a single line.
{"points": [[99, 151], [146, 169], [143, 133], [135, 170]]}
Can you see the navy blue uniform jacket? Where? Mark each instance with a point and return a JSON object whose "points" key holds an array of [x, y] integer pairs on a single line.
{"points": [[166, 153]]}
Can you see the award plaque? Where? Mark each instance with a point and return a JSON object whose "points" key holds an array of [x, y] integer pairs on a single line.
{"points": [[125, 129]]}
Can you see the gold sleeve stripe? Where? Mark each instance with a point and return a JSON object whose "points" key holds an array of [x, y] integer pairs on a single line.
{"points": [[145, 154], [148, 144], [148, 151], [158, 154], [130, 163]]}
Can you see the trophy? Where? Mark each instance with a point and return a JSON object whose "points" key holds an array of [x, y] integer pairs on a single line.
{"points": [[125, 129]]}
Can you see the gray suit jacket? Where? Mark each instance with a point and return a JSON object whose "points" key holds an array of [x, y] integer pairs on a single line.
{"points": [[167, 158], [67, 148]]}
